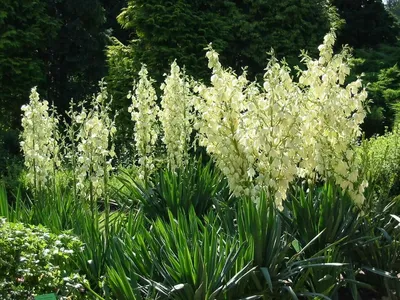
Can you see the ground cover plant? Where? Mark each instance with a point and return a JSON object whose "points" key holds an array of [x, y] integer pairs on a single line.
{"points": [[237, 190], [35, 261]]}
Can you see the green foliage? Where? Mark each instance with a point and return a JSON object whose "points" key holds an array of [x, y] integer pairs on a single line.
{"points": [[11, 163], [120, 76], [373, 31], [75, 58], [196, 185], [309, 214], [300, 252], [287, 267], [181, 235], [186, 259], [381, 159], [394, 7], [381, 72], [387, 88], [312, 211], [378, 255], [23, 40], [368, 23], [285, 26], [61, 211], [55, 45], [242, 31], [34, 261], [112, 9]]}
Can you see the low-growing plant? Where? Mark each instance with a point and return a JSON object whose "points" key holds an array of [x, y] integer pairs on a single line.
{"points": [[310, 213], [378, 254], [194, 184], [34, 261], [331, 214]]}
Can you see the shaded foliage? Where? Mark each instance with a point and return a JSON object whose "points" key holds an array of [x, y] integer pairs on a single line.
{"points": [[75, 58], [368, 23], [26, 31], [380, 70]]}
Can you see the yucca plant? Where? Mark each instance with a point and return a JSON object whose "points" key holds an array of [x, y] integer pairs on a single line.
{"points": [[285, 267], [379, 256], [182, 258], [17, 211], [331, 214], [195, 184], [326, 208], [121, 279], [123, 188]]}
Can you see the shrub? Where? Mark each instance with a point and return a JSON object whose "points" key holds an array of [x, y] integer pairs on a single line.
{"points": [[381, 159], [34, 261]]}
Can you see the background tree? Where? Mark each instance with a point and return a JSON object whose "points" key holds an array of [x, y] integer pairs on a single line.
{"points": [[373, 33], [242, 31], [367, 23], [112, 8], [75, 59], [286, 26], [394, 7], [26, 32], [381, 71]]}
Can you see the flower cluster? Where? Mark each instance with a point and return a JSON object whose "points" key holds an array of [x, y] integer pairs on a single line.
{"points": [[94, 149], [273, 124], [39, 141], [262, 138], [332, 121], [220, 125], [144, 112], [176, 116]]}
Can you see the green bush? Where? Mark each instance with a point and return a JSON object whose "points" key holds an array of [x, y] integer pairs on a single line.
{"points": [[381, 159], [34, 261]]}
